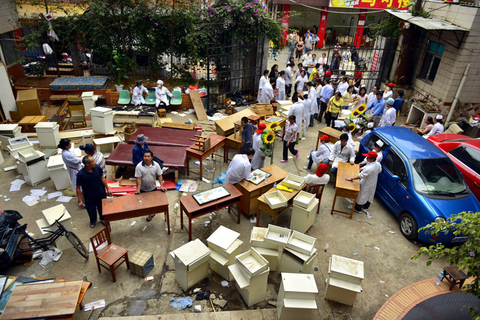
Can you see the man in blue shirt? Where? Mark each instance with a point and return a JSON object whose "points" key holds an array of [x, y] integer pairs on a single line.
{"points": [[247, 134], [93, 184], [377, 107], [398, 101], [327, 93]]}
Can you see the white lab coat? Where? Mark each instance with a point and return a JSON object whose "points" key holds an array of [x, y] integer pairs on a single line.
{"points": [[389, 117], [341, 155], [342, 87], [387, 94], [137, 97], [437, 129], [311, 179], [73, 165], [350, 139], [257, 160], [297, 110], [379, 157], [312, 96], [370, 98], [300, 82], [368, 182], [161, 95], [306, 114], [323, 152], [281, 88], [239, 169], [261, 84], [267, 93]]}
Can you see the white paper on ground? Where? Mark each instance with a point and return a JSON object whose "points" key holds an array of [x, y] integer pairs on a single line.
{"points": [[100, 247], [15, 187], [18, 181], [64, 199], [39, 192], [54, 194], [94, 305]]}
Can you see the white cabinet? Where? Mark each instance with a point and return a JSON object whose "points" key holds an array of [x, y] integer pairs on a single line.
{"points": [[303, 218], [102, 120], [58, 172], [48, 134], [106, 145], [224, 246], [89, 100], [296, 297], [344, 281]]}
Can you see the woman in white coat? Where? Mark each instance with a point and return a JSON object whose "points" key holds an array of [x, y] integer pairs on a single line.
{"points": [[281, 85], [161, 94], [137, 97], [312, 96], [71, 161], [261, 84], [368, 182], [267, 93], [258, 160]]}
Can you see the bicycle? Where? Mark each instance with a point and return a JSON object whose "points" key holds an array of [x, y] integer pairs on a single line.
{"points": [[45, 242]]}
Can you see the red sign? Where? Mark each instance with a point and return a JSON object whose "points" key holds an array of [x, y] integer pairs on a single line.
{"points": [[285, 20], [360, 25], [371, 4], [322, 27]]}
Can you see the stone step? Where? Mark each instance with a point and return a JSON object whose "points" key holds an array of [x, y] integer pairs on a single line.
{"points": [[259, 314]]}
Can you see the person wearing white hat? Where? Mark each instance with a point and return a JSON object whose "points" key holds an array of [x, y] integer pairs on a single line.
{"points": [[161, 94], [437, 127], [390, 116], [137, 96], [377, 147]]}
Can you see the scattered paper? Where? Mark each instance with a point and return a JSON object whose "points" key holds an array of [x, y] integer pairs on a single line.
{"points": [[15, 187], [253, 219], [18, 181], [378, 249], [133, 223], [206, 223], [39, 192], [144, 228], [189, 186], [64, 199], [148, 278], [174, 112], [196, 290], [206, 180], [391, 232], [7, 199], [94, 305], [54, 194], [182, 115]]}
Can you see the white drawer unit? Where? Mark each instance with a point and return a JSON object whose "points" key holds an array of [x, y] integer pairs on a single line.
{"points": [[58, 172], [252, 290], [102, 120], [303, 218], [296, 297], [106, 145], [296, 262], [48, 134]]}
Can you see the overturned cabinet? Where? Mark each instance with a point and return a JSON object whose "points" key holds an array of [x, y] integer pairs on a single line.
{"points": [[8, 131], [297, 296], [33, 166], [344, 280], [48, 134], [267, 250], [58, 172], [191, 263], [224, 246], [49, 217]]}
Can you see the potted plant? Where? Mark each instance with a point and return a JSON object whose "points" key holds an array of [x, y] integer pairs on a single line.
{"points": [[121, 63]]}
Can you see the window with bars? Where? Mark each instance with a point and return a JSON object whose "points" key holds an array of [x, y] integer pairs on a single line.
{"points": [[431, 61]]}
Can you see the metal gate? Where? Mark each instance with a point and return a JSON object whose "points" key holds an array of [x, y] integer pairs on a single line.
{"points": [[232, 66], [374, 63]]}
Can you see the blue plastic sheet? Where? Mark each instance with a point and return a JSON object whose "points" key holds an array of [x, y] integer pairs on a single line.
{"points": [[181, 303]]}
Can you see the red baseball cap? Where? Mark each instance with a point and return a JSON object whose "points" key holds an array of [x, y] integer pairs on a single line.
{"points": [[391, 84], [371, 154], [325, 138], [261, 127], [322, 168]]}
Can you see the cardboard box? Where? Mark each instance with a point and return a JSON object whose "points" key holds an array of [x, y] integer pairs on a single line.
{"points": [[28, 103], [141, 263]]}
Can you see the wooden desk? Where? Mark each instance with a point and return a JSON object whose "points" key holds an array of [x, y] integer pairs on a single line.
{"points": [[232, 142], [138, 205], [263, 205], [333, 134], [193, 210], [251, 192], [216, 142], [344, 188], [28, 123]]}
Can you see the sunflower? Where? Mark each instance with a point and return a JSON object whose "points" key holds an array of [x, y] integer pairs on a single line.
{"points": [[268, 138], [351, 127], [355, 113], [361, 108], [273, 126]]}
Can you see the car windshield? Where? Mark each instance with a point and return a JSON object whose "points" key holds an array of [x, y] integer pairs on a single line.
{"points": [[437, 177]]}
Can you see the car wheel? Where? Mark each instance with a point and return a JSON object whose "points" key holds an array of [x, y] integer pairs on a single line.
{"points": [[408, 226]]}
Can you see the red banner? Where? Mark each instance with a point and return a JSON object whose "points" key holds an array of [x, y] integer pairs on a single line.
{"points": [[322, 27], [285, 20], [360, 25], [370, 4]]}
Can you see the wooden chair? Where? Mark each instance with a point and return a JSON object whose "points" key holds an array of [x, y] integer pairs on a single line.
{"points": [[77, 112], [108, 256], [317, 189]]}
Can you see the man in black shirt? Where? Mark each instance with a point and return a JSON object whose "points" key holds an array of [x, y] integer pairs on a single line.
{"points": [[93, 184]]}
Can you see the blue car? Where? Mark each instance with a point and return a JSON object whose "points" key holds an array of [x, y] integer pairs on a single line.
{"points": [[419, 183]]}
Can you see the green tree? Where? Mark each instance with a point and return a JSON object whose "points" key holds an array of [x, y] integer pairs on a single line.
{"points": [[466, 256]]}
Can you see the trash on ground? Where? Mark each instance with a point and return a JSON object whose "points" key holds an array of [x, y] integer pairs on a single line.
{"points": [[377, 248], [181, 303], [95, 305], [220, 303], [203, 295], [391, 232], [148, 278], [382, 282], [196, 290], [197, 308], [224, 283]]}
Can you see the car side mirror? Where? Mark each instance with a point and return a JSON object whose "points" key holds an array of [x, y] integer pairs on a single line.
{"points": [[396, 178]]}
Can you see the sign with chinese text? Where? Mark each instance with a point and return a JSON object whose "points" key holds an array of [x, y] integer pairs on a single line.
{"points": [[371, 4]]}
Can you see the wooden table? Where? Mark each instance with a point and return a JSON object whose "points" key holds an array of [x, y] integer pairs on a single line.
{"points": [[138, 205], [232, 142], [28, 123], [251, 191], [216, 142], [193, 210], [263, 205], [333, 134], [454, 276], [344, 188]]}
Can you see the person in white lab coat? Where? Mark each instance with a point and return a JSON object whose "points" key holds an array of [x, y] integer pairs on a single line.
{"points": [[437, 127], [390, 116], [240, 168], [137, 97], [312, 96], [161, 94], [349, 134], [306, 114], [368, 182], [342, 152], [71, 161], [297, 110], [280, 85], [377, 147], [261, 84], [320, 155], [258, 159], [319, 177], [267, 93]]}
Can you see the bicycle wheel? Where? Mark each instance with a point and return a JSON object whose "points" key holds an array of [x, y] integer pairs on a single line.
{"points": [[77, 244]]}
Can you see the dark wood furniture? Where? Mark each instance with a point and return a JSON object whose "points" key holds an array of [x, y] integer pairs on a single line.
{"points": [[344, 188], [216, 142], [192, 209], [165, 137], [317, 189], [454, 276], [138, 205], [111, 256]]}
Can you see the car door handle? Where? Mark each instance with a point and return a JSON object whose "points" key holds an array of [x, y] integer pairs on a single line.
{"points": [[477, 184]]}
